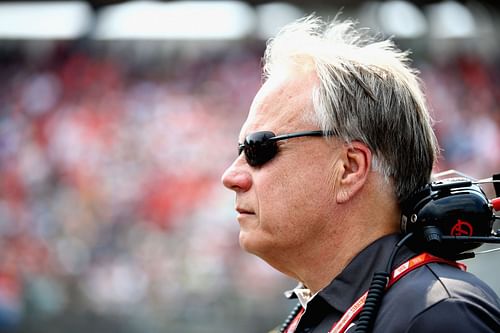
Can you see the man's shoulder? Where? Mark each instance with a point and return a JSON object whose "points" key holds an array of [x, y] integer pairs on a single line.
{"points": [[426, 293], [435, 282]]}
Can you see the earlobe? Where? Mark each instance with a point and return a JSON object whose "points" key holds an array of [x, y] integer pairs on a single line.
{"points": [[356, 168], [342, 196]]}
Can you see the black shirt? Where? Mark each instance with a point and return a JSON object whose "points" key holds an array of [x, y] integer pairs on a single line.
{"points": [[436, 297]]}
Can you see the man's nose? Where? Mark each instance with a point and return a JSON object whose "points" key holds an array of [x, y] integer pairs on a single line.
{"points": [[237, 177]]}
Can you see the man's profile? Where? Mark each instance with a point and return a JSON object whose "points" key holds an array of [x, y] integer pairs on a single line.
{"points": [[337, 137]]}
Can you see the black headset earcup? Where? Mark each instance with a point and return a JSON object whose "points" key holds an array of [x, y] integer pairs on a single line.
{"points": [[447, 208]]}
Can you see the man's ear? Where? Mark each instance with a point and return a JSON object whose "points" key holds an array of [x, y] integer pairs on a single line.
{"points": [[356, 161]]}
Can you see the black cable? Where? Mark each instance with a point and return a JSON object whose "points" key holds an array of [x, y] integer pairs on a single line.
{"points": [[372, 303], [376, 292], [398, 245]]}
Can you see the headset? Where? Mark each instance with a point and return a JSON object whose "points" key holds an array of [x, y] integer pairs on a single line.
{"points": [[451, 216], [448, 217]]}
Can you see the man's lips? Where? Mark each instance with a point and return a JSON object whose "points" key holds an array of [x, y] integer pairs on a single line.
{"points": [[241, 210]]}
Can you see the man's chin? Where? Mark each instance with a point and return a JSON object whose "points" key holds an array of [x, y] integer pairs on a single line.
{"points": [[255, 243], [245, 240], [249, 242]]}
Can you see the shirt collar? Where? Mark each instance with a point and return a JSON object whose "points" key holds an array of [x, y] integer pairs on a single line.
{"points": [[355, 279]]}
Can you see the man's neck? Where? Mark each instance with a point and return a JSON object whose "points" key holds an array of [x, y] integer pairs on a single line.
{"points": [[319, 263], [324, 265]]}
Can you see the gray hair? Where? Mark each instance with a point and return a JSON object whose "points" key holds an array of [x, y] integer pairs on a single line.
{"points": [[367, 92]]}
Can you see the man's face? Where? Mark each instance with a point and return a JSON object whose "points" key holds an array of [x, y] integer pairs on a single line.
{"points": [[287, 202]]}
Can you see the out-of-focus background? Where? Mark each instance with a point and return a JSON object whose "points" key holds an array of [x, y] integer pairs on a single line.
{"points": [[118, 118]]}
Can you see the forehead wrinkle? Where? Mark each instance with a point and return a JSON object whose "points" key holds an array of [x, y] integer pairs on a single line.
{"points": [[281, 105]]}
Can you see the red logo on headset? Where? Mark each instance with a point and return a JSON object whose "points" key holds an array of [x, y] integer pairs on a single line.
{"points": [[462, 228]]}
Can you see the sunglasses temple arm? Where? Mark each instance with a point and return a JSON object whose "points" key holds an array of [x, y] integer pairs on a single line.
{"points": [[299, 134]]}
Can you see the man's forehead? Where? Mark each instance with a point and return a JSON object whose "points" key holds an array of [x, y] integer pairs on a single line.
{"points": [[281, 105]]}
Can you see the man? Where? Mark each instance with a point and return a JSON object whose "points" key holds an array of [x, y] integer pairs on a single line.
{"points": [[336, 139]]}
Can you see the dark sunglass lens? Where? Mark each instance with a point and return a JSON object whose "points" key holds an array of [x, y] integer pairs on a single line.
{"points": [[258, 149]]}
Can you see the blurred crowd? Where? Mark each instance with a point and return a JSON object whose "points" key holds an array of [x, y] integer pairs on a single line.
{"points": [[464, 97], [112, 216]]}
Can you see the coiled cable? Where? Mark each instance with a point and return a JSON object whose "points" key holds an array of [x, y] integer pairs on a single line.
{"points": [[372, 303], [376, 292]]}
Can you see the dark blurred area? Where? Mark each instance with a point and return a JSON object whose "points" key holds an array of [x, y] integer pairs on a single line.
{"points": [[112, 216]]}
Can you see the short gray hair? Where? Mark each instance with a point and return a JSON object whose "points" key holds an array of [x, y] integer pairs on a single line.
{"points": [[367, 92]]}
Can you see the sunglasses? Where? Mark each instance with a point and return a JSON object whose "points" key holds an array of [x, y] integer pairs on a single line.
{"points": [[261, 147]]}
